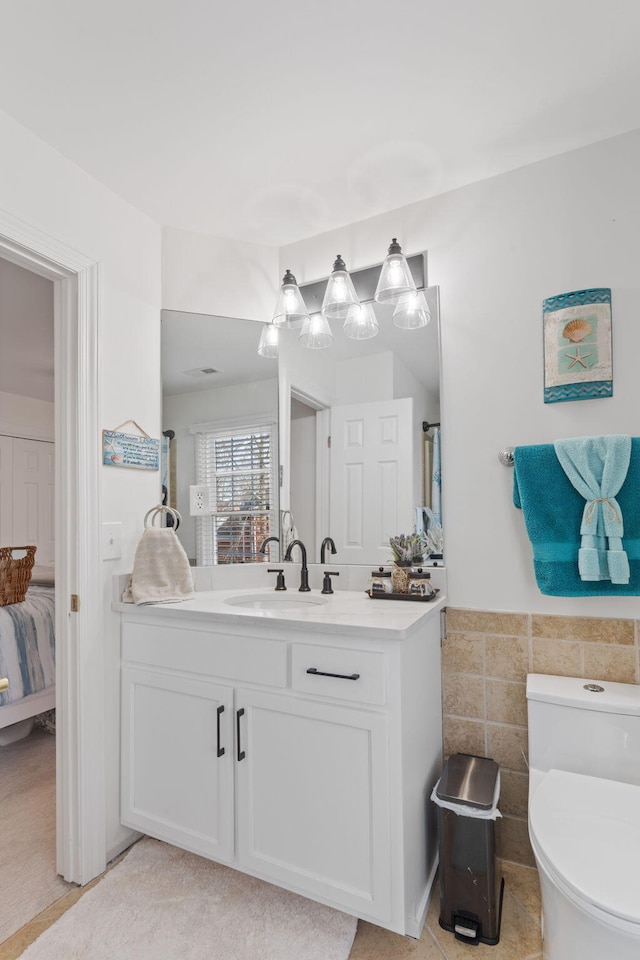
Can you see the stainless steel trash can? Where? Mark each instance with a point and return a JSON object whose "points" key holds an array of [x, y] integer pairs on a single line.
{"points": [[470, 893]]}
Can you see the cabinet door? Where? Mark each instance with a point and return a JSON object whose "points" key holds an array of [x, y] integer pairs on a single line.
{"points": [[312, 800], [177, 760]]}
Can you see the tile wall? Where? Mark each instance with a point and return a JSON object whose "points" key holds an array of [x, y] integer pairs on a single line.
{"points": [[485, 660]]}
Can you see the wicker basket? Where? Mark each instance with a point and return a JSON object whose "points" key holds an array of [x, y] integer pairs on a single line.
{"points": [[15, 574]]}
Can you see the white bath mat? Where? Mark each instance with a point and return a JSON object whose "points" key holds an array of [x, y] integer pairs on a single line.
{"points": [[161, 903]]}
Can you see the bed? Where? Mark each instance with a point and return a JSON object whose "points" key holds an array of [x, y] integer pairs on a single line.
{"points": [[27, 656]]}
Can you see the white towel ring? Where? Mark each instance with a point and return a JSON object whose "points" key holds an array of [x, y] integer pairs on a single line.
{"points": [[153, 513]]}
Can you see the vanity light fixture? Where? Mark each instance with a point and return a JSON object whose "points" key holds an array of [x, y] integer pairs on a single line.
{"points": [[395, 277], [290, 308], [340, 298], [268, 345], [362, 323], [412, 311], [398, 282]]}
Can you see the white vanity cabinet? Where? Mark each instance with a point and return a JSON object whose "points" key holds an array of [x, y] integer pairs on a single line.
{"points": [[303, 757]]}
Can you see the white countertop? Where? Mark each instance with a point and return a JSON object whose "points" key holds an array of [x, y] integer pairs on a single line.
{"points": [[348, 610]]}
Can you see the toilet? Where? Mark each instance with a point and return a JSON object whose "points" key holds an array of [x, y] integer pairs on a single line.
{"points": [[584, 815]]}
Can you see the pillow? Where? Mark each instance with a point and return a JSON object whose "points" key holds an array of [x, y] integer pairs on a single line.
{"points": [[43, 574]]}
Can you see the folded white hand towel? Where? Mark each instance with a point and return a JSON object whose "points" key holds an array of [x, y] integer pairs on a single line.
{"points": [[161, 571]]}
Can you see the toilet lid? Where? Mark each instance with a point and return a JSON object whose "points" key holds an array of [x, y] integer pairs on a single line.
{"points": [[588, 832]]}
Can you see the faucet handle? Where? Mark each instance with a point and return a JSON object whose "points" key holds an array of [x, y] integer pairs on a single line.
{"points": [[280, 584], [326, 583]]}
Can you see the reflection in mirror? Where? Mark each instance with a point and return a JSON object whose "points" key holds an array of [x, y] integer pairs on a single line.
{"points": [[357, 464], [220, 400]]}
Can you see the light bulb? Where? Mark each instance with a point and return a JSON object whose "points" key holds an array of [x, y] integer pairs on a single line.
{"points": [[412, 311], [316, 333], [395, 278], [268, 345], [290, 308], [340, 295], [361, 323]]}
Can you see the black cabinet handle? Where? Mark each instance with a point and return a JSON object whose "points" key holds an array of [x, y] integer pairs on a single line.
{"points": [[239, 713], [220, 749], [340, 676]]}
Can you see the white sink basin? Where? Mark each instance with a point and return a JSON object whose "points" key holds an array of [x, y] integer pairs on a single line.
{"points": [[275, 601]]}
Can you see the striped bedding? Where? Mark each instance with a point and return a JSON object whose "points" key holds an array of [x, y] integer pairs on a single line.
{"points": [[27, 644]]}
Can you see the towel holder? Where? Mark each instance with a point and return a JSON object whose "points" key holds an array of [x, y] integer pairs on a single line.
{"points": [[506, 456], [153, 513]]}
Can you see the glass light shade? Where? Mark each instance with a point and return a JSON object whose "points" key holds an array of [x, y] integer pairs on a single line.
{"points": [[290, 308], [361, 323], [340, 295], [395, 278], [412, 311], [316, 333], [268, 345]]}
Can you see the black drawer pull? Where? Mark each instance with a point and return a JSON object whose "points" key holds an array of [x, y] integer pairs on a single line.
{"points": [[220, 749], [239, 713], [339, 676]]}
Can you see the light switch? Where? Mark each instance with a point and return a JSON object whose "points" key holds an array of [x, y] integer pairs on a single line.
{"points": [[111, 541]]}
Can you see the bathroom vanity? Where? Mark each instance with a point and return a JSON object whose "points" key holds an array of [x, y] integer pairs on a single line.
{"points": [[295, 740]]}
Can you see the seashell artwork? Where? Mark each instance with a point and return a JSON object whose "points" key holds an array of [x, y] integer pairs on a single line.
{"points": [[577, 330], [577, 345]]}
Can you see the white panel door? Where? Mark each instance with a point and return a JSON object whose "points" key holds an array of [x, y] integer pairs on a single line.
{"points": [[312, 800], [371, 495], [33, 496], [177, 760], [6, 492]]}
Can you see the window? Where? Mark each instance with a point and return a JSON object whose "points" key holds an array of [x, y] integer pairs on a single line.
{"points": [[238, 466]]}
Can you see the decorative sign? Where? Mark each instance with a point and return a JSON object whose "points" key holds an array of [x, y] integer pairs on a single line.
{"points": [[130, 450], [577, 346]]}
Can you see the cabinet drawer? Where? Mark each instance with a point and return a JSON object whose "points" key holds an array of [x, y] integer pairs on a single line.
{"points": [[360, 674], [247, 659]]}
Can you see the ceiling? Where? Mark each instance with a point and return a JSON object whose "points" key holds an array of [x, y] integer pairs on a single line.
{"points": [[270, 122]]}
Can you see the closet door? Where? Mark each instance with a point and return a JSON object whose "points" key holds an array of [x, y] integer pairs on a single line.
{"points": [[33, 496], [6, 496]]}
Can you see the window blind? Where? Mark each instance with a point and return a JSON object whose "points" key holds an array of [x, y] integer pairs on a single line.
{"points": [[238, 467]]}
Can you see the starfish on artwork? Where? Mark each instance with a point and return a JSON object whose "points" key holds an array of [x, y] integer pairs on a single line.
{"points": [[577, 357]]}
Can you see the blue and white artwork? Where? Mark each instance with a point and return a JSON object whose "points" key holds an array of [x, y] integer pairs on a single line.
{"points": [[577, 346]]}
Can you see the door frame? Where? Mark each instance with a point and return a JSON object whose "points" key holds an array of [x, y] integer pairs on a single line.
{"points": [[80, 741]]}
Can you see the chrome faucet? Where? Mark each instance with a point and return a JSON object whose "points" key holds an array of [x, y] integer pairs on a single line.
{"points": [[327, 542], [304, 572], [263, 545]]}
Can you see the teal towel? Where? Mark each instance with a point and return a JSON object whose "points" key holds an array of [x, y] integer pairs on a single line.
{"points": [[597, 467], [553, 511]]}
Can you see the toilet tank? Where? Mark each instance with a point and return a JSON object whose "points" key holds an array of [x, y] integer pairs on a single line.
{"points": [[576, 729]]}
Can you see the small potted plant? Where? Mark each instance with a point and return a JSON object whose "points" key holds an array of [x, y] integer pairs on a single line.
{"points": [[407, 549]]}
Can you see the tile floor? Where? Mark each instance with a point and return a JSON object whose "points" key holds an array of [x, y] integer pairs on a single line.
{"points": [[519, 937]]}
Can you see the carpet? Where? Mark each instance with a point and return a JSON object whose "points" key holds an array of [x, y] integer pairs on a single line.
{"points": [[162, 903], [28, 879]]}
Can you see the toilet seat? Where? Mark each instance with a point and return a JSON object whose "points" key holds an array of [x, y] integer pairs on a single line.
{"points": [[586, 832]]}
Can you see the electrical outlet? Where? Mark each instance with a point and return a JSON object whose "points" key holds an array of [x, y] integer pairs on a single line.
{"points": [[199, 501]]}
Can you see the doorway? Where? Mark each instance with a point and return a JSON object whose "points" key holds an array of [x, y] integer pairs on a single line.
{"points": [[80, 780]]}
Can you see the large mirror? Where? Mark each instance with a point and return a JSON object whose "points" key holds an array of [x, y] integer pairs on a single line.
{"points": [[357, 429], [332, 439]]}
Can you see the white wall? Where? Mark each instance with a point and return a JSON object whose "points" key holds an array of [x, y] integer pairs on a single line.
{"points": [[26, 332], [228, 278], [497, 249], [26, 417], [42, 188], [365, 379], [183, 410]]}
